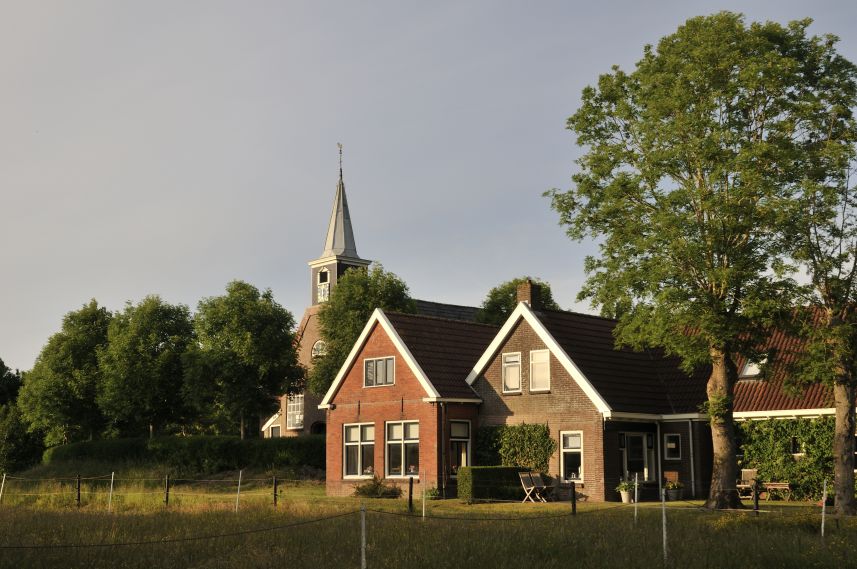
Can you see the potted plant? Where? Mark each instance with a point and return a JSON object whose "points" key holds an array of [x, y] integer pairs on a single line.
{"points": [[675, 490], [626, 489]]}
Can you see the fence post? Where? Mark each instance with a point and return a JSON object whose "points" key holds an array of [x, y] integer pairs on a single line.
{"points": [[362, 537], [823, 507], [110, 496], [78, 490], [238, 495], [167, 490], [423, 484], [636, 494], [2, 486], [573, 498], [275, 491], [664, 520], [410, 494]]}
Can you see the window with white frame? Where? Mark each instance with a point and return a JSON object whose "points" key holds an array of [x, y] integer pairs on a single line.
{"points": [[512, 372], [359, 443], [403, 448], [275, 431], [540, 370], [459, 443], [295, 412], [672, 446], [571, 461], [323, 285], [379, 371], [319, 349]]}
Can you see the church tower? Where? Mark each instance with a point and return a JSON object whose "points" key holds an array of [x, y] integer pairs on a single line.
{"points": [[340, 251]]}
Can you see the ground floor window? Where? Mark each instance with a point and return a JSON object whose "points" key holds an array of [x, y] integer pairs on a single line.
{"points": [[459, 442], [638, 455], [295, 412], [571, 463], [403, 448], [275, 431], [672, 446], [359, 451]]}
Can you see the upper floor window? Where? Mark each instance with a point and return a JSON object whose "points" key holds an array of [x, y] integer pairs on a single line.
{"points": [[540, 370], [512, 373], [379, 371], [295, 412], [323, 285], [319, 349]]}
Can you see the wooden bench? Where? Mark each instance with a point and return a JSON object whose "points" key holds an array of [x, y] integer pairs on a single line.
{"points": [[781, 488]]}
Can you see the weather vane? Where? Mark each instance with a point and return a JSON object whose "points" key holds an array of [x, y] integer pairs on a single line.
{"points": [[339, 144]]}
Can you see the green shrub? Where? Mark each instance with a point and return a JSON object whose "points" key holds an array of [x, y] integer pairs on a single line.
{"points": [[19, 449], [530, 446], [376, 488], [119, 450], [479, 483]]}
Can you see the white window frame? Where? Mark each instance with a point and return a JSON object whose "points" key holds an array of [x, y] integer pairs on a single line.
{"points": [[562, 451], [666, 447], [367, 360], [294, 407], [271, 434], [503, 374], [541, 389], [359, 444], [650, 458], [402, 443], [468, 440], [319, 348]]}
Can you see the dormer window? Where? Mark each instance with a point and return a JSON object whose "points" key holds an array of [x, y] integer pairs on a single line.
{"points": [[752, 369], [323, 285], [379, 371]]}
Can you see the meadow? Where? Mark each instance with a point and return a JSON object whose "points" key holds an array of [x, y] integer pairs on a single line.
{"points": [[200, 528]]}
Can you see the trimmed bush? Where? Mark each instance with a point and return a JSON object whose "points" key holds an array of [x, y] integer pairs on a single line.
{"points": [[481, 483], [515, 445], [376, 488], [200, 455]]}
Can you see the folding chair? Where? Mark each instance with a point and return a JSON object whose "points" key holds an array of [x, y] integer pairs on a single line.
{"points": [[542, 491], [529, 487]]}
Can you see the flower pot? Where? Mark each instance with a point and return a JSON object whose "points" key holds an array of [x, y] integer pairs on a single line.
{"points": [[626, 496], [675, 494]]}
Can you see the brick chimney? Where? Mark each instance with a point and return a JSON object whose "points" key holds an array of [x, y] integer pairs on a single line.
{"points": [[531, 293]]}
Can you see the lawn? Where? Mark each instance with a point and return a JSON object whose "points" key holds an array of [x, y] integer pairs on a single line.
{"points": [[199, 528]]}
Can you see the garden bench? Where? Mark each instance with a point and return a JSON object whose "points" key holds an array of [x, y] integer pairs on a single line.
{"points": [[781, 488]]}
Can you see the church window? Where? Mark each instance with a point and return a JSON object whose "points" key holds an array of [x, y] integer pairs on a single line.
{"points": [[295, 412], [319, 349]]}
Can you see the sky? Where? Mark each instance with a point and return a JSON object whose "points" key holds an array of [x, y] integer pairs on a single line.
{"points": [[168, 148]]}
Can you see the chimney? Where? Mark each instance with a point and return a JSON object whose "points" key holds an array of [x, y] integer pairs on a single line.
{"points": [[531, 293]]}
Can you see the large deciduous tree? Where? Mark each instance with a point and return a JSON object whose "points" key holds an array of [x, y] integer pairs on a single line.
{"points": [[502, 300], [58, 395], [356, 295], [689, 178], [142, 368], [247, 354]]}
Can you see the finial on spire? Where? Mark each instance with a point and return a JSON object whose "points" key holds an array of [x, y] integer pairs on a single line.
{"points": [[339, 144]]}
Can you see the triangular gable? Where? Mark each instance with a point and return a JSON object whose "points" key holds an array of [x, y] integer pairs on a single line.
{"points": [[378, 317], [523, 311]]}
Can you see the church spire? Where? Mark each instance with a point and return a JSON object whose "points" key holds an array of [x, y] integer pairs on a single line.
{"points": [[340, 235]]}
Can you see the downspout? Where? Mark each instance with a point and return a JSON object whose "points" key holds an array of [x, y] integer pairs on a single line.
{"points": [[692, 459], [442, 479], [660, 465]]}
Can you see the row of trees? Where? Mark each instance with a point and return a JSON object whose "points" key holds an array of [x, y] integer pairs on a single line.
{"points": [[712, 174], [155, 367]]}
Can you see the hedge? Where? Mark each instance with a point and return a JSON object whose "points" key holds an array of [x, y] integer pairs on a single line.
{"points": [[476, 483], [528, 445], [200, 454]]}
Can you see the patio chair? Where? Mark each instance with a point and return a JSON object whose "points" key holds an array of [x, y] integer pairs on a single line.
{"points": [[528, 485], [745, 484], [542, 490]]}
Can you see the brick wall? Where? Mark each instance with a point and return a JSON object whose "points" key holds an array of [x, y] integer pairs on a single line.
{"points": [[564, 408], [377, 405]]}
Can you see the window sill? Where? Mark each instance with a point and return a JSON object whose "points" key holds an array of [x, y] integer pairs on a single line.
{"points": [[512, 393], [301, 428], [402, 476], [360, 477], [539, 391]]}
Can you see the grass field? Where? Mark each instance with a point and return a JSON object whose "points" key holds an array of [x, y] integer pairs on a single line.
{"points": [[200, 529]]}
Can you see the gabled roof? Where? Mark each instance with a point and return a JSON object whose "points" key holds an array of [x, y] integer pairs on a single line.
{"points": [[438, 351], [340, 235]]}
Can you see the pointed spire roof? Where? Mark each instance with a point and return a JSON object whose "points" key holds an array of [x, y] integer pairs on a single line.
{"points": [[340, 235]]}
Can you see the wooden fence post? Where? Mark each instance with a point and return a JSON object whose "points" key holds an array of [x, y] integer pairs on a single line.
{"points": [[275, 491], [78, 490], [167, 490], [410, 494], [573, 498]]}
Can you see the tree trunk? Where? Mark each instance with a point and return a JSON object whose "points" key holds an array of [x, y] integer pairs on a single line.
{"points": [[843, 448], [724, 471], [242, 425]]}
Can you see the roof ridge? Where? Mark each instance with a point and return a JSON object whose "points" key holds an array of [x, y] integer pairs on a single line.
{"points": [[441, 318]]}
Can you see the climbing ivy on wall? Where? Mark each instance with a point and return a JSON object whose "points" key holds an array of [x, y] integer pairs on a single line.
{"points": [[529, 446], [768, 446]]}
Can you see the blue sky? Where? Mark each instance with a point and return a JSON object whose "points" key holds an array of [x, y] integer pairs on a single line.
{"points": [[170, 147]]}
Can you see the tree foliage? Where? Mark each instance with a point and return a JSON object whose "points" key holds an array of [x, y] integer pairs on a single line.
{"points": [[692, 164], [502, 300], [58, 395], [356, 295], [10, 384], [527, 446], [247, 354], [141, 366]]}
